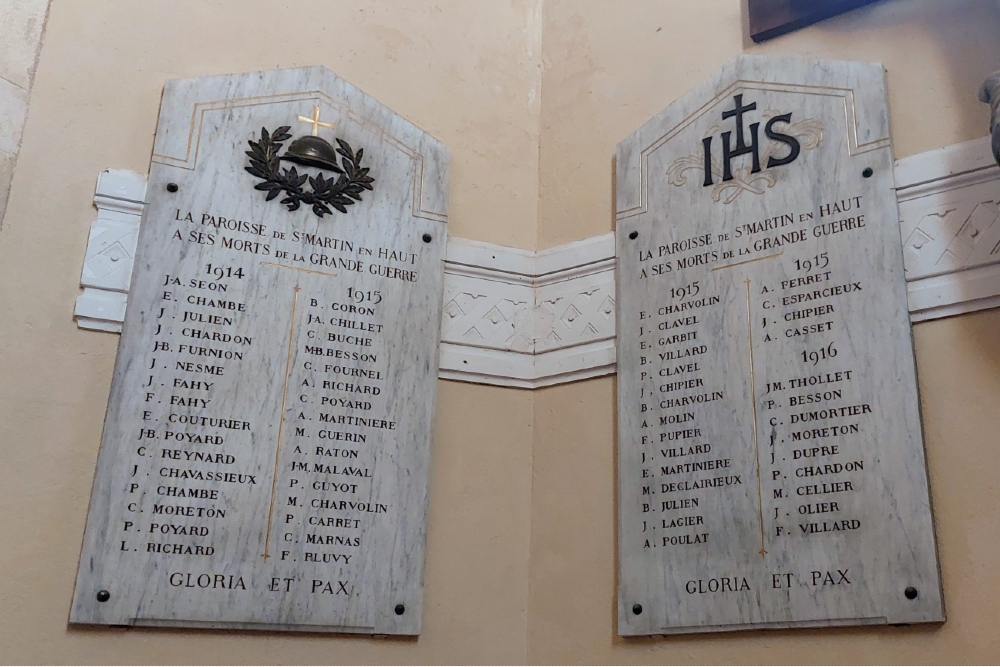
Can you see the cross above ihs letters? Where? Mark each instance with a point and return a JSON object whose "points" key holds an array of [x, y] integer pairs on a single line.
{"points": [[316, 122]]}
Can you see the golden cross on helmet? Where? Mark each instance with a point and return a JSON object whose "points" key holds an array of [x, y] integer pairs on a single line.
{"points": [[316, 122]]}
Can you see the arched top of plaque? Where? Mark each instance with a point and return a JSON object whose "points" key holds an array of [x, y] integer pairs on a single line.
{"points": [[209, 126], [772, 111]]}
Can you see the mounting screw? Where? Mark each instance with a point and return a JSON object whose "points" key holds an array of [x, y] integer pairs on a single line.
{"points": [[867, 173], [637, 609], [427, 239], [910, 593], [103, 596], [633, 235], [172, 187], [399, 609]]}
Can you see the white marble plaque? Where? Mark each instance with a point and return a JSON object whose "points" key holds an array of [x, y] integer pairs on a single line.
{"points": [[265, 455], [771, 461]]}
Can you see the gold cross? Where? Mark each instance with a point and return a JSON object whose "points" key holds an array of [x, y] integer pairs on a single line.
{"points": [[316, 122]]}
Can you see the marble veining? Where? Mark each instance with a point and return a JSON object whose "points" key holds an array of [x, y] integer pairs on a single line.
{"points": [[770, 453], [265, 456]]}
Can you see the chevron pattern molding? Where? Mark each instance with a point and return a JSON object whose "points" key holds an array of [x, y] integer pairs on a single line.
{"points": [[528, 319], [517, 318], [949, 205], [107, 266]]}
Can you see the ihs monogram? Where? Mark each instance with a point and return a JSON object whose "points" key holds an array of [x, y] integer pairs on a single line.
{"points": [[785, 145], [311, 151]]}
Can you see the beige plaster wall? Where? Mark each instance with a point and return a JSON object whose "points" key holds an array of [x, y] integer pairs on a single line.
{"points": [[467, 73], [608, 67]]}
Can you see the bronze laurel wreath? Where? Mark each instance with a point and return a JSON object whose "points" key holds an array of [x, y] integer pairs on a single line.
{"points": [[265, 164]]}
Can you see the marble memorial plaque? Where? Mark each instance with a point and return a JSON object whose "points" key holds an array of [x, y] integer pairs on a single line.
{"points": [[265, 456], [771, 459]]}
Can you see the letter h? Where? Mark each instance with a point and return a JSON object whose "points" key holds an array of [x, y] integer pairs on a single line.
{"points": [[728, 150]]}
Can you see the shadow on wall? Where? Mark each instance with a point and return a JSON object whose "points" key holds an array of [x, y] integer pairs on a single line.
{"points": [[22, 23], [952, 63]]}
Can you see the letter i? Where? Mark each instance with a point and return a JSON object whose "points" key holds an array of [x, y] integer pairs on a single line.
{"points": [[707, 143]]}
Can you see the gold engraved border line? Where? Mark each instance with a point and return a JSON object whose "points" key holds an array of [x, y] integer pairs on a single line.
{"points": [[295, 268], [198, 118], [850, 114], [753, 405], [748, 261], [281, 423], [189, 162], [854, 147]]}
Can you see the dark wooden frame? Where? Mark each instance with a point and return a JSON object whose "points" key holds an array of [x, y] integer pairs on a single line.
{"points": [[770, 18]]}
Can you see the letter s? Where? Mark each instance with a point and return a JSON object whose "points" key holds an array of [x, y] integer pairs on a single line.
{"points": [[790, 141]]}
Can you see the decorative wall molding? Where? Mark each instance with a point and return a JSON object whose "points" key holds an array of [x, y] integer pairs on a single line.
{"points": [[949, 209], [107, 266], [528, 319], [518, 318]]}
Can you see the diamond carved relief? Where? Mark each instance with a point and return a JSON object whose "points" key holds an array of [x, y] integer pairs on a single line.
{"points": [[110, 252], [944, 235], [580, 311]]}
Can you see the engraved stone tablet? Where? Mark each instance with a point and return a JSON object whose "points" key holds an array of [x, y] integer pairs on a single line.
{"points": [[265, 454], [771, 461]]}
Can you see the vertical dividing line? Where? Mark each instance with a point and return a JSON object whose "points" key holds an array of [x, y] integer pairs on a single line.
{"points": [[281, 422], [753, 405]]}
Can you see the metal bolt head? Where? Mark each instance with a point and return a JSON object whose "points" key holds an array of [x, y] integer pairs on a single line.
{"points": [[427, 238], [911, 593], [103, 596], [399, 609], [172, 187], [867, 173], [633, 235], [637, 609]]}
